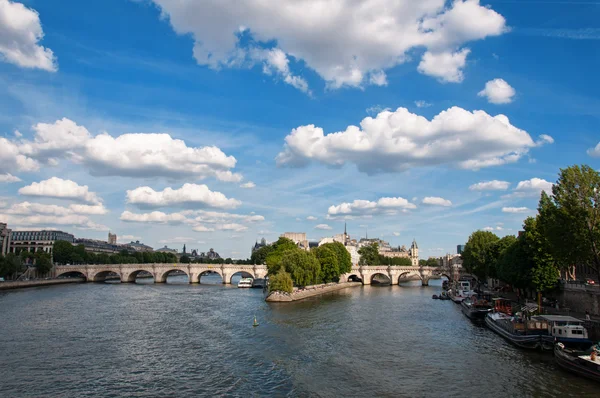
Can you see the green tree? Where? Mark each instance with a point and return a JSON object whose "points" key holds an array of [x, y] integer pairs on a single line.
{"points": [[422, 263], [343, 256], [184, 259], [496, 251], [10, 265], [303, 266], [281, 282], [478, 256], [432, 262], [62, 251], [570, 217], [43, 262], [544, 273], [260, 256], [513, 266], [279, 248], [369, 254], [328, 259]]}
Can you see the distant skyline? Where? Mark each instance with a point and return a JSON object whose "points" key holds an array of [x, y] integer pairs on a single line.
{"points": [[214, 124]]}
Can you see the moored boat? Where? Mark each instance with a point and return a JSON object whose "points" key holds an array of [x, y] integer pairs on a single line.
{"points": [[245, 282], [475, 309], [522, 332], [566, 330], [583, 363], [460, 291]]}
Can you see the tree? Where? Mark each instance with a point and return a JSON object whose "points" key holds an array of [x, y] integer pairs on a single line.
{"points": [[513, 266], [62, 252], [184, 259], [343, 256], [328, 259], [570, 217], [544, 273], [10, 265], [478, 256], [496, 251], [422, 263], [43, 262], [281, 282], [273, 260], [369, 254], [432, 262], [259, 256], [303, 267]]}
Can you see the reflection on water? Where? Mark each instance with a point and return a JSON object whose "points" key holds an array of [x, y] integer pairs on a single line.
{"points": [[178, 339]]}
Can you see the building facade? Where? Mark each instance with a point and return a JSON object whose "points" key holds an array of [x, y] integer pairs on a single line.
{"points": [[112, 239], [298, 238], [99, 246], [5, 239], [139, 247], [34, 241], [460, 249]]}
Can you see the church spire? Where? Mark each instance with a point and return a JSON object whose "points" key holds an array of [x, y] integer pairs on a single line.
{"points": [[345, 233]]}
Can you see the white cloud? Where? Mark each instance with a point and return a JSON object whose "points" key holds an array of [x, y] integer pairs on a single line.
{"points": [[9, 178], [400, 140], [248, 185], [156, 217], [493, 185], [127, 238], [534, 186], [132, 155], [594, 152], [446, 66], [87, 209], [312, 218], [187, 195], [61, 189], [515, 209], [490, 229], [436, 201], [34, 214], [396, 233], [202, 228], [422, 104], [347, 43], [177, 239], [20, 34], [323, 227], [498, 91], [366, 208]]}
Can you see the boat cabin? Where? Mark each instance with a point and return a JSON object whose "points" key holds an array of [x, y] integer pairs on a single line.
{"points": [[565, 327], [502, 305]]}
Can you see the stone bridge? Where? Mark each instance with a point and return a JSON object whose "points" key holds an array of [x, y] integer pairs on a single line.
{"points": [[129, 272], [398, 273]]}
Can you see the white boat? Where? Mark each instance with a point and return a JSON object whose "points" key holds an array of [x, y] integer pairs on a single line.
{"points": [[245, 282], [460, 291]]}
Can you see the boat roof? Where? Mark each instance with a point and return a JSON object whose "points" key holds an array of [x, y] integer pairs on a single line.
{"points": [[560, 318]]}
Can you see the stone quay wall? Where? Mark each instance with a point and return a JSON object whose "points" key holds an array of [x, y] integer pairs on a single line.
{"points": [[309, 291], [580, 298], [43, 282]]}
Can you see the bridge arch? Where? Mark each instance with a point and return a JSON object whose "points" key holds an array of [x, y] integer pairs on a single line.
{"points": [[72, 274], [242, 273], [208, 273], [161, 277], [379, 278], [132, 277], [101, 276], [354, 278], [402, 277]]}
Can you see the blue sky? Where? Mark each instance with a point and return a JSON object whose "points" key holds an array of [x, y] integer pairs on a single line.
{"points": [[241, 85]]}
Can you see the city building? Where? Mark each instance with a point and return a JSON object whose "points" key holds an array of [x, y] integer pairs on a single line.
{"points": [[298, 238], [460, 249], [112, 239], [33, 241], [5, 235], [210, 255], [99, 246], [167, 250], [260, 245], [139, 247]]}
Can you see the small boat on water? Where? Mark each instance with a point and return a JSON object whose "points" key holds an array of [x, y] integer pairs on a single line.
{"points": [[584, 363], [566, 330], [245, 282], [460, 291], [475, 309]]}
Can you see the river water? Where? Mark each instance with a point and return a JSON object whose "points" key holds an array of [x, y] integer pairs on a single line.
{"points": [[175, 339]]}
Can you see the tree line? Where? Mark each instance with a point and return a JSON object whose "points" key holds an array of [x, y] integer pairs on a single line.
{"points": [[564, 233], [289, 266], [369, 255], [65, 253]]}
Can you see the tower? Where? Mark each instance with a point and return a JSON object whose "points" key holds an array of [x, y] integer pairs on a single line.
{"points": [[112, 239], [184, 249], [414, 253]]}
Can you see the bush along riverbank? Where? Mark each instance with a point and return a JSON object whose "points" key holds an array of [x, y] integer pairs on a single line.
{"points": [[308, 291]]}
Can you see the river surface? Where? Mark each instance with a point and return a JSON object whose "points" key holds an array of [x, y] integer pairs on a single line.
{"points": [[175, 339]]}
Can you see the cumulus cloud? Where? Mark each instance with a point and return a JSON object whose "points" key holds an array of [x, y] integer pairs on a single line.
{"points": [[534, 185], [400, 140], [366, 208], [515, 209], [9, 178], [594, 152], [445, 66], [155, 217], [312, 218], [61, 189], [498, 91], [396, 233], [347, 43], [323, 227], [130, 155], [27, 214], [177, 239], [127, 238], [20, 34], [494, 185], [25, 208], [187, 195], [436, 201], [248, 185], [497, 228]]}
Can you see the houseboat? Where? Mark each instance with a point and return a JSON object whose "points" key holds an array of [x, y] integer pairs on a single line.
{"points": [[566, 330], [475, 309], [460, 290], [245, 282], [520, 331]]}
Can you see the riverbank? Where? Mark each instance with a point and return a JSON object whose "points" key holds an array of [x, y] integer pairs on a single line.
{"points": [[309, 291], [9, 285]]}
